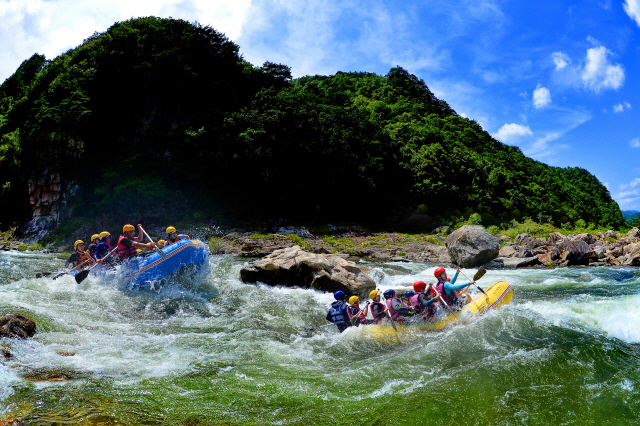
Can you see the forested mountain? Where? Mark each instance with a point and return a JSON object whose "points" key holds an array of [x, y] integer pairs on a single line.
{"points": [[160, 118]]}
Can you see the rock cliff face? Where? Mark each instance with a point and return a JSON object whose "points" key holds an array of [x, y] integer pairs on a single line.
{"points": [[49, 197]]}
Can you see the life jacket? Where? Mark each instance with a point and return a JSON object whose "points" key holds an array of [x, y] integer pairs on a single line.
{"points": [[394, 315], [426, 312], [83, 258], [377, 311], [336, 313], [168, 240], [352, 310], [450, 300], [415, 303], [124, 252]]}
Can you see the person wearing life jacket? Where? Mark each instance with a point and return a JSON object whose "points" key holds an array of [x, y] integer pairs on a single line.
{"points": [[95, 240], [424, 302], [104, 246], [127, 243], [356, 315], [378, 309], [80, 256], [338, 312], [174, 237], [399, 311], [447, 288], [161, 243]]}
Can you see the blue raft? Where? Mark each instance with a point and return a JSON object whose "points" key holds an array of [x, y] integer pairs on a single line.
{"points": [[146, 269]]}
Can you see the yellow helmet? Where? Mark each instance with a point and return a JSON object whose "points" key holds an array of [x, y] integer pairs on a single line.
{"points": [[171, 229], [353, 300], [161, 242], [94, 236], [75, 245], [373, 294], [128, 228], [104, 234]]}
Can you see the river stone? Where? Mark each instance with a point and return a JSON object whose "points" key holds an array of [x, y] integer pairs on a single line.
{"points": [[634, 233], [16, 325], [472, 245], [577, 252], [632, 255], [523, 239], [556, 238], [610, 234], [293, 266], [516, 262], [586, 237], [507, 251]]}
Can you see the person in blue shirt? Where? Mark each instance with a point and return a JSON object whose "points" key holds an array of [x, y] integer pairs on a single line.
{"points": [[448, 287]]}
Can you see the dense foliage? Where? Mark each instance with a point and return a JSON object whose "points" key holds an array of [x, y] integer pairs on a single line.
{"points": [[160, 118]]}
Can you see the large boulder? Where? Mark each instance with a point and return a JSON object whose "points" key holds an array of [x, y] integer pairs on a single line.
{"points": [[293, 266], [523, 239], [472, 245], [586, 237], [516, 262], [16, 325], [632, 255], [577, 252], [634, 233]]}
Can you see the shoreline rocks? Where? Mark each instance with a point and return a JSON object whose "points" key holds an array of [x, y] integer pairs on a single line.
{"points": [[293, 266]]}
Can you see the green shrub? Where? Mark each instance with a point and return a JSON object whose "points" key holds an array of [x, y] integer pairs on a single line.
{"points": [[214, 244]]}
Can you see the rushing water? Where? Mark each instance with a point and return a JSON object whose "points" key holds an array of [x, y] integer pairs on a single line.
{"points": [[215, 350]]}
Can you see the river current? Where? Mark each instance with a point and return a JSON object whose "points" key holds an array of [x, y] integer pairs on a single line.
{"points": [[213, 350]]}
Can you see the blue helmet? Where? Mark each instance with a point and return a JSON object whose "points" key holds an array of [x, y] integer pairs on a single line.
{"points": [[389, 293], [339, 295], [409, 294]]}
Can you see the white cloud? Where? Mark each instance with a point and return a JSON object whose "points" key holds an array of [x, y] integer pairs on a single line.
{"points": [[509, 133], [53, 27], [634, 143], [596, 72], [621, 107], [541, 97], [628, 195], [632, 7], [560, 59]]}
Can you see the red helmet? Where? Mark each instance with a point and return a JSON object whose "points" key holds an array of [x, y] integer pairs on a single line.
{"points": [[438, 272], [419, 286]]}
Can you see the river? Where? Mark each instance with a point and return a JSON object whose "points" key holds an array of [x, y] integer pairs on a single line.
{"points": [[215, 350]]}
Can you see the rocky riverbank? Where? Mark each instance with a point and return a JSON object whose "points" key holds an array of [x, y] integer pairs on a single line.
{"points": [[525, 250]]}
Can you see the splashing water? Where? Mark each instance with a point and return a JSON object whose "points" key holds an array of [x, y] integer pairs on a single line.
{"points": [[216, 350]]}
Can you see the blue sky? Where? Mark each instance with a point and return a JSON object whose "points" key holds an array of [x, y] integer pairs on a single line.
{"points": [[559, 79]]}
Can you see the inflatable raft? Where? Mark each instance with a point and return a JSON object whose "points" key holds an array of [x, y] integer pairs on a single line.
{"points": [[143, 270], [499, 294]]}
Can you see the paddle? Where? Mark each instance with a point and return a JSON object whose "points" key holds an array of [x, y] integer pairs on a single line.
{"points": [[355, 317], [479, 274], [474, 279], [82, 275], [158, 249]]}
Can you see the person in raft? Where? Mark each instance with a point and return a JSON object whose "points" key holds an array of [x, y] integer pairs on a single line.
{"points": [[127, 243], [79, 258], [399, 311], [378, 309], [356, 315], [338, 312], [422, 302], [447, 288], [161, 243], [95, 240], [104, 246], [174, 237]]}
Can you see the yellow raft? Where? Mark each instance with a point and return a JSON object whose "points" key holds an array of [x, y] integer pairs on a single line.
{"points": [[498, 294]]}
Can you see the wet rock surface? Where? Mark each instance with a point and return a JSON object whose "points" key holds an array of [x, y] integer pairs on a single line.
{"points": [[295, 267], [17, 325]]}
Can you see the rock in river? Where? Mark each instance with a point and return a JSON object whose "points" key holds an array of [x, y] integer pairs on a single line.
{"points": [[15, 324], [471, 245], [293, 266]]}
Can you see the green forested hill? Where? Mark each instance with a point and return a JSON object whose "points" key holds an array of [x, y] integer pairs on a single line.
{"points": [[159, 118]]}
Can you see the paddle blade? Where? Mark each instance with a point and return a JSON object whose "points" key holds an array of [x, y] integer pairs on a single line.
{"points": [[81, 276], [479, 274]]}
